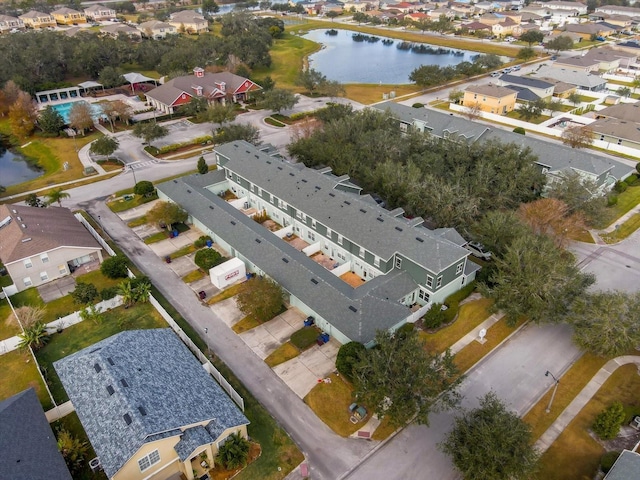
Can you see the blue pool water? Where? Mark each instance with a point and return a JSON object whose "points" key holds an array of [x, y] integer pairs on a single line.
{"points": [[65, 108]]}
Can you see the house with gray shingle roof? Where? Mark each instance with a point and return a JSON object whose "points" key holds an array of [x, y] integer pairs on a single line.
{"points": [[28, 448], [148, 405], [554, 159], [38, 245], [579, 78], [399, 264], [539, 87]]}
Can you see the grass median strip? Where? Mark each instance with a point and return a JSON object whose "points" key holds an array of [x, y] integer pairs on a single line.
{"points": [[155, 238], [624, 230], [283, 353], [193, 276], [247, 323]]}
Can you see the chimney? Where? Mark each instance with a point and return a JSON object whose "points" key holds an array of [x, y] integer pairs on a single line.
{"points": [[198, 72], [222, 86], [198, 90]]}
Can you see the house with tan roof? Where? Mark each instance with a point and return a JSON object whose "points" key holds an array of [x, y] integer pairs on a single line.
{"points": [[617, 131], [98, 12], [188, 21], [8, 23], [619, 10], [118, 28], [38, 245], [490, 98], [215, 87], [586, 30], [34, 19], [582, 63], [156, 29], [611, 59], [68, 16], [581, 8]]}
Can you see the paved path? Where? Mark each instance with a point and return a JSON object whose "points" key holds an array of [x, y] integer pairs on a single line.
{"points": [[578, 403], [596, 234], [474, 334]]}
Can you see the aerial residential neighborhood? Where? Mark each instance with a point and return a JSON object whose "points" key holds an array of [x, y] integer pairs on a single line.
{"points": [[319, 240]]}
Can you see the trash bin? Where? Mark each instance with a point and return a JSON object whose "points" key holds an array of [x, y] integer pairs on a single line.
{"points": [[175, 233], [309, 321], [202, 294], [209, 243]]}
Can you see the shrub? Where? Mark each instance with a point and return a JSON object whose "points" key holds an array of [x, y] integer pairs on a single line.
{"points": [[144, 188], [348, 356], [453, 300], [406, 329], [261, 217], [114, 267], [631, 179], [519, 130], [620, 187], [607, 461], [418, 105], [207, 259], [608, 422], [434, 317], [108, 293], [261, 299], [202, 241], [304, 338], [84, 293], [612, 200], [234, 452]]}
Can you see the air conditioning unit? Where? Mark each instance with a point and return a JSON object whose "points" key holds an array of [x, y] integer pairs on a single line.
{"points": [[95, 465]]}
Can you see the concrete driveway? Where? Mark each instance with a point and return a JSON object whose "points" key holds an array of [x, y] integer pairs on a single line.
{"points": [[228, 311], [170, 245], [204, 285], [57, 288], [302, 373], [137, 212], [182, 265], [265, 338]]}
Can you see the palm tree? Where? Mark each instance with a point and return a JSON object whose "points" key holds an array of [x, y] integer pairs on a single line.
{"points": [[73, 450], [126, 290], [56, 195], [234, 452], [35, 336], [142, 291]]}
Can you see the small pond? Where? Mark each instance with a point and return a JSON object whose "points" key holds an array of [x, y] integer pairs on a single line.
{"points": [[350, 57], [14, 168]]}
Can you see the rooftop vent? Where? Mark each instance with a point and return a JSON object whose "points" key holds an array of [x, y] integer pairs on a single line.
{"points": [[14, 211], [97, 367], [347, 202], [421, 240], [399, 229], [247, 151], [304, 180], [123, 382], [352, 308], [257, 156], [110, 390], [279, 168], [318, 188], [314, 281], [19, 219], [269, 162], [25, 240], [331, 194], [175, 181], [142, 411], [188, 191], [291, 174], [110, 360], [24, 226], [285, 260], [127, 418]]}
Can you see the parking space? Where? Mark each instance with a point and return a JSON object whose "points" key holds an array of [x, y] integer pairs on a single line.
{"points": [[182, 265], [205, 285], [265, 338], [170, 245], [137, 212], [302, 373], [228, 311]]}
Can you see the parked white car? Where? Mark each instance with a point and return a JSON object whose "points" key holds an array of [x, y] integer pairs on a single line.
{"points": [[478, 250]]}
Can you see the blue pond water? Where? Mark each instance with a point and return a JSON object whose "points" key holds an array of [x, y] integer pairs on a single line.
{"points": [[348, 61], [14, 168]]}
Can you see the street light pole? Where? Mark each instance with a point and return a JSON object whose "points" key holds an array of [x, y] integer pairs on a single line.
{"points": [[555, 388], [135, 182]]}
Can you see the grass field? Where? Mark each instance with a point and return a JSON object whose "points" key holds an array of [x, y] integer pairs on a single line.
{"points": [[18, 372], [8, 328], [625, 229], [330, 402], [247, 323]]}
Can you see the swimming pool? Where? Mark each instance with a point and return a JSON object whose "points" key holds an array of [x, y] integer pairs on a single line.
{"points": [[64, 109]]}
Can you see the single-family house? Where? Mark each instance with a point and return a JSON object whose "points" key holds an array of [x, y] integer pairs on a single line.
{"points": [[416, 17], [447, 12], [586, 30], [617, 132], [490, 98], [33, 19], [402, 7], [118, 29], [633, 12], [561, 17], [356, 268], [536, 9], [583, 63], [463, 9], [624, 21], [554, 159], [573, 36], [68, 16], [357, 6], [28, 448], [539, 87], [611, 58], [581, 8], [189, 21], [626, 466], [629, 112], [148, 406], [507, 27], [38, 245], [8, 24], [156, 29], [579, 78], [630, 46], [560, 89], [98, 13], [215, 87], [473, 27]]}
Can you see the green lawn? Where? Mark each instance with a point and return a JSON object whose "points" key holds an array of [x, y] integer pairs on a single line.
{"points": [[8, 328], [330, 402], [84, 334], [626, 229], [283, 353], [186, 250], [99, 280], [120, 205], [156, 237], [627, 200], [247, 323], [193, 276], [18, 372]]}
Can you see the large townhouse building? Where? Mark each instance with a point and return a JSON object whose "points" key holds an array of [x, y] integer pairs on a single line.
{"points": [[401, 267]]}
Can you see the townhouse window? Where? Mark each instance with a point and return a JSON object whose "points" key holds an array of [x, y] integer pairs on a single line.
{"points": [[311, 236], [619, 141], [62, 269], [429, 281], [362, 252], [329, 233], [44, 276], [398, 262], [149, 460], [44, 258], [439, 282], [313, 224], [339, 239], [27, 263], [459, 268], [423, 295], [601, 137], [27, 281], [475, 96], [376, 261]]}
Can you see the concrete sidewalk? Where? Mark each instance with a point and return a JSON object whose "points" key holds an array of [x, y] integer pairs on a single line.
{"points": [[619, 221], [578, 403]]}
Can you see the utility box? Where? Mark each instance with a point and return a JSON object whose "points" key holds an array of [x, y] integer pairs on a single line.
{"points": [[227, 273]]}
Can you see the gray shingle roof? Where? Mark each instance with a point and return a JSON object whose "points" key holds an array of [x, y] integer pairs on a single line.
{"points": [[155, 380], [627, 467], [525, 81], [555, 156], [579, 78], [524, 93], [28, 448], [191, 439]]}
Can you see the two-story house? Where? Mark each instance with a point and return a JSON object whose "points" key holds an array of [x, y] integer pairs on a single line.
{"points": [[98, 12], [538, 87], [9, 24], [34, 19], [68, 16], [490, 98], [156, 29], [188, 21]]}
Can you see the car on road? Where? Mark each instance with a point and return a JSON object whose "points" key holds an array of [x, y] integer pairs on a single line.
{"points": [[495, 74], [478, 250]]}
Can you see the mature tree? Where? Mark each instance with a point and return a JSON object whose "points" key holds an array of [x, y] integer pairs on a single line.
{"points": [[429, 75], [122, 110], [400, 379], [456, 95], [554, 106], [50, 121], [333, 15], [196, 107], [115, 267], [150, 131], [73, 450], [577, 136], [167, 213], [111, 77], [497, 229], [553, 218], [234, 452], [209, 7], [491, 443], [422, 25], [8, 96], [207, 258], [56, 196], [84, 293], [559, 43], [526, 53], [625, 92], [239, 131], [202, 166], [332, 88], [142, 289], [262, 299], [530, 110], [34, 336], [581, 195], [267, 83], [104, 146], [22, 115], [443, 24], [110, 112], [81, 117], [608, 422], [606, 323], [536, 279], [349, 355], [575, 98], [33, 201], [532, 36], [220, 113], [144, 188], [279, 99], [311, 80]]}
